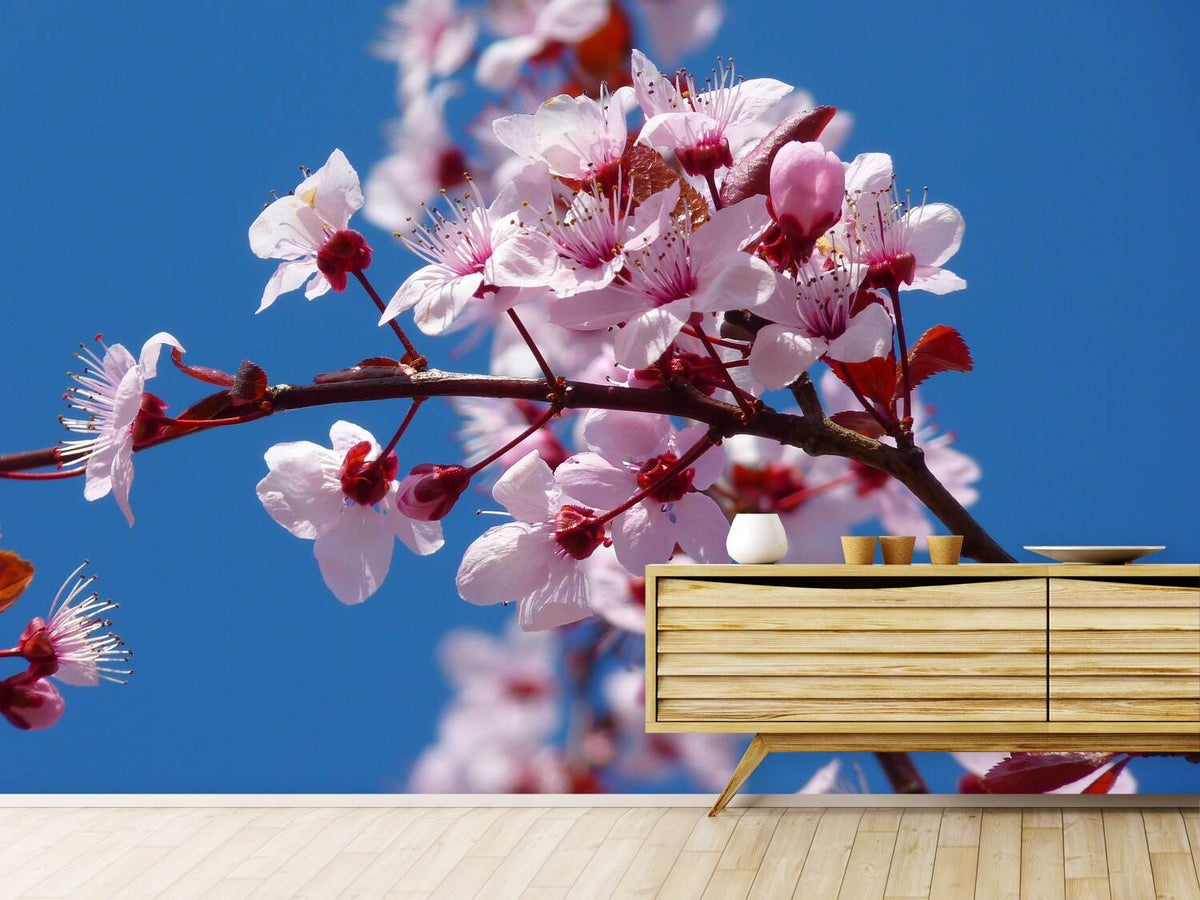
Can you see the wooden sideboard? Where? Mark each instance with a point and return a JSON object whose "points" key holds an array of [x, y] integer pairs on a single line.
{"points": [[968, 657]]}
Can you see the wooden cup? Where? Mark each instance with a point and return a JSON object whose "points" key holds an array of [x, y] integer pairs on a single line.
{"points": [[944, 549], [898, 551], [859, 551]]}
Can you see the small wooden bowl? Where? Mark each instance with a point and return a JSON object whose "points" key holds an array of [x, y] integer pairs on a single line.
{"points": [[944, 549], [859, 551], [898, 551]]}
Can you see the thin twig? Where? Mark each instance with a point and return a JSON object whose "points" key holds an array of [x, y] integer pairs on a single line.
{"points": [[415, 359]]}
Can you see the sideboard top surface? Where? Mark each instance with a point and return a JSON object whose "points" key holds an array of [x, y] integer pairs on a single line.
{"points": [[965, 570]]}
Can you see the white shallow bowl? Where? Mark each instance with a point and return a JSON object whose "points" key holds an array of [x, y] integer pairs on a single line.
{"points": [[1095, 555]]}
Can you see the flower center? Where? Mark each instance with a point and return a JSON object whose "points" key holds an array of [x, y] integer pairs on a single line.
{"points": [[672, 488], [367, 482], [771, 488], [892, 271], [451, 168], [151, 420], [345, 251], [577, 531]]}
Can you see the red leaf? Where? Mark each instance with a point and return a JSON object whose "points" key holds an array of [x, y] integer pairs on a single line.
{"points": [[862, 422], [940, 349], [876, 379], [1105, 782], [750, 174], [646, 173], [201, 373], [214, 406], [1038, 773], [15, 575]]}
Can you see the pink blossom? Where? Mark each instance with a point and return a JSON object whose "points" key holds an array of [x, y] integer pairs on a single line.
{"points": [[527, 27], [617, 596], [903, 246], [879, 495], [579, 355], [346, 506], [119, 415], [490, 423], [598, 235], [707, 758], [628, 452], [677, 27], [695, 124], [494, 735], [534, 560], [743, 138], [681, 274], [429, 491], [423, 160], [815, 321], [74, 645], [30, 703], [427, 38], [481, 260], [308, 230], [812, 495], [807, 189], [576, 137]]}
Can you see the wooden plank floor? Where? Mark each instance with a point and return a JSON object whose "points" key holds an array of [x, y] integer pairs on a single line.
{"points": [[552, 853]]}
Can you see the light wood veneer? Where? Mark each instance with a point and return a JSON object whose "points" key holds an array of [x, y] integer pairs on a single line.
{"points": [[971, 657]]}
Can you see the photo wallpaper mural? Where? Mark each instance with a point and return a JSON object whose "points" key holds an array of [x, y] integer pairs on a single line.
{"points": [[501, 303]]}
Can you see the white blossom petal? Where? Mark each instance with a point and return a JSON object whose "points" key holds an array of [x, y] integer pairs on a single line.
{"points": [[354, 553]]}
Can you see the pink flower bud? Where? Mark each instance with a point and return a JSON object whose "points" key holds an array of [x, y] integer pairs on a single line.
{"points": [[430, 491], [808, 185], [29, 702], [346, 251], [367, 481]]}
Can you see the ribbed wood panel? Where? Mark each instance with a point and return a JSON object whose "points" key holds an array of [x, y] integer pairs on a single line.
{"points": [[865, 664], [792, 652], [867, 708], [1124, 652], [1015, 592]]}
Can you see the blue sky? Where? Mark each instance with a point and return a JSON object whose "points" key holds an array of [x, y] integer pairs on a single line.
{"points": [[143, 139]]}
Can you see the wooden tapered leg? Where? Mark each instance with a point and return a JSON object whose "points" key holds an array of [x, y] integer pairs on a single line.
{"points": [[755, 753]]}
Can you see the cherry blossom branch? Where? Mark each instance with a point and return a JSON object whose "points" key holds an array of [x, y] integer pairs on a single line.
{"points": [[533, 347], [888, 428], [906, 464], [408, 417], [748, 410], [812, 432], [689, 456], [902, 773], [414, 359], [536, 425], [895, 295]]}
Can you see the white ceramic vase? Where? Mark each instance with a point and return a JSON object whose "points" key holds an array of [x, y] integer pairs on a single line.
{"points": [[756, 538]]}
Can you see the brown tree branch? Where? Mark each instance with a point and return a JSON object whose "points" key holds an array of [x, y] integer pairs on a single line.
{"points": [[812, 432]]}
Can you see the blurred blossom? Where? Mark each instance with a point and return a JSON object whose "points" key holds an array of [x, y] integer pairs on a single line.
{"points": [[427, 38], [423, 159]]}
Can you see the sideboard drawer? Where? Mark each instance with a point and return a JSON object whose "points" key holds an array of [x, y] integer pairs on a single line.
{"points": [[962, 651], [1124, 651]]}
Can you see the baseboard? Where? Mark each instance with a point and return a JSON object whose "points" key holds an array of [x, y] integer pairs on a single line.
{"points": [[593, 800]]}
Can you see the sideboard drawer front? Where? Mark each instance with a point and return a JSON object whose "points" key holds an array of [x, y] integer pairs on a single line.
{"points": [[731, 651], [1124, 651], [871, 709], [1013, 592]]}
